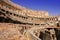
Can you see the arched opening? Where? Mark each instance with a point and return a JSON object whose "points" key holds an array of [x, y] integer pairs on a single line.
{"points": [[44, 36], [3, 10], [58, 25]]}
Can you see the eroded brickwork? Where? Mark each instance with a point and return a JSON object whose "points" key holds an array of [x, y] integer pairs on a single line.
{"points": [[19, 23]]}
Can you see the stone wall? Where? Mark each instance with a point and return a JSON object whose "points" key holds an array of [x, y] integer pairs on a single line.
{"points": [[9, 6], [10, 31]]}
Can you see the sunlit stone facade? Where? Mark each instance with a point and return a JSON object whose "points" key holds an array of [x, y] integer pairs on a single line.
{"points": [[29, 24]]}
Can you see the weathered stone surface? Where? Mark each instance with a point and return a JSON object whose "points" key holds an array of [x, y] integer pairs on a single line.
{"points": [[19, 23], [10, 32]]}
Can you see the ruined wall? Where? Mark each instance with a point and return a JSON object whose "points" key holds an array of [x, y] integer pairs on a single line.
{"points": [[16, 23], [9, 31], [9, 6]]}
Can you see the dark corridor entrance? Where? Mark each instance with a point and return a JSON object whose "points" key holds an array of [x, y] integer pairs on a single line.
{"points": [[46, 35]]}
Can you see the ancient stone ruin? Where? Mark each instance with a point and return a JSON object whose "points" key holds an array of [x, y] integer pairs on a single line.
{"points": [[19, 23]]}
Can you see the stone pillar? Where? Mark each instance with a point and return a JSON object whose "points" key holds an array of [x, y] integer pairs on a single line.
{"points": [[52, 34]]}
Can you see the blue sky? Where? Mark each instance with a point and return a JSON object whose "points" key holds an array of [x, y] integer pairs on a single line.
{"points": [[52, 6]]}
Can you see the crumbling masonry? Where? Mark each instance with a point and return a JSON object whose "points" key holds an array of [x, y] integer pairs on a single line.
{"points": [[19, 23]]}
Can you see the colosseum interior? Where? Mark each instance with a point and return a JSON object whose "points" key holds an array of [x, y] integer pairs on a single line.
{"points": [[19, 23]]}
